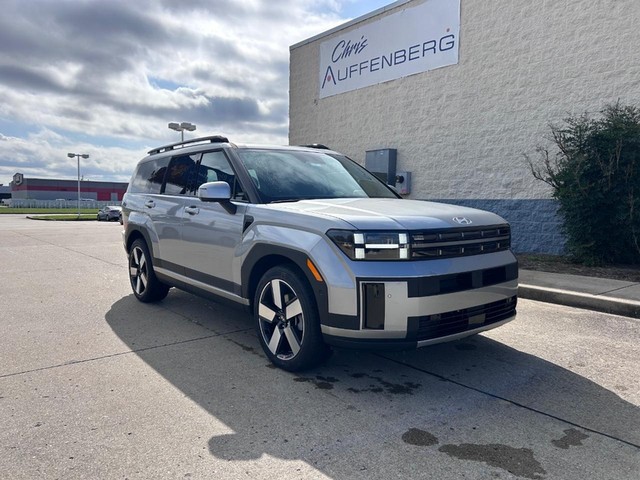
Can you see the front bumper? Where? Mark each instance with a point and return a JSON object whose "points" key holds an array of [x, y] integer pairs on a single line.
{"points": [[428, 329], [445, 301]]}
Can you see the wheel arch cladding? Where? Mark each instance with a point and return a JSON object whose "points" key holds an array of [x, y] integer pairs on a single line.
{"points": [[135, 234], [262, 257]]}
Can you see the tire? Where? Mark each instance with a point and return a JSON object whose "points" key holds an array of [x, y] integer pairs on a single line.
{"points": [[287, 320], [144, 283]]}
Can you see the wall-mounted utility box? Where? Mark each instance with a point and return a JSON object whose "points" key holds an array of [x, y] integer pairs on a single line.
{"points": [[403, 183], [382, 163]]}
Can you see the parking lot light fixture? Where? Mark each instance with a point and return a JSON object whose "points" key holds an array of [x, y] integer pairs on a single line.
{"points": [[78, 155], [181, 127]]}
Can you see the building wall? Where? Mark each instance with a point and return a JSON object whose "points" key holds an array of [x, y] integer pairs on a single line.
{"points": [[463, 130]]}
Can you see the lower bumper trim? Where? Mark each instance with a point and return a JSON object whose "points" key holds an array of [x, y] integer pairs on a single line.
{"points": [[404, 344]]}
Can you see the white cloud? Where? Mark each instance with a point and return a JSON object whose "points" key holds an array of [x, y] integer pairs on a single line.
{"points": [[87, 76]]}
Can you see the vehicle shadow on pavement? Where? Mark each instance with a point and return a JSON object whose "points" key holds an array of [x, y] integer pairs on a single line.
{"points": [[211, 354]]}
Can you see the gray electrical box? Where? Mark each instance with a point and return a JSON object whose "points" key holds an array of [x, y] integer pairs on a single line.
{"points": [[382, 163], [403, 183]]}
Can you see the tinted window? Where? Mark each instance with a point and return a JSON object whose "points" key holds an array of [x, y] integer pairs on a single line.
{"points": [[215, 167], [149, 176], [180, 174], [285, 175]]}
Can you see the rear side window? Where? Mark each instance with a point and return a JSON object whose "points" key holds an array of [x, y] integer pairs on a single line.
{"points": [[149, 176]]}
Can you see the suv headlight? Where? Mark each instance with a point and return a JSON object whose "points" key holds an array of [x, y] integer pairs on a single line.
{"points": [[371, 245]]}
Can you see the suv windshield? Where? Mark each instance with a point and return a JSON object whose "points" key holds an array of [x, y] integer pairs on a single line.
{"points": [[284, 175]]}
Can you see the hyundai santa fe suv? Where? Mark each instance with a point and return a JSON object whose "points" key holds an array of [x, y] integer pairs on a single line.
{"points": [[318, 249]]}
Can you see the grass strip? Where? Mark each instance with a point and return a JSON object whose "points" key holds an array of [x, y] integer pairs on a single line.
{"points": [[64, 218]]}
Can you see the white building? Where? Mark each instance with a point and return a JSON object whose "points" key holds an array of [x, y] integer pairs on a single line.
{"points": [[463, 89]]}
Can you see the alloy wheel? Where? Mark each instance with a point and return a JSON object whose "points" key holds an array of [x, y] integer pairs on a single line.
{"points": [[281, 319], [138, 271]]}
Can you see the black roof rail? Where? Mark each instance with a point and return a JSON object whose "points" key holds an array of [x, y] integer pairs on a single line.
{"points": [[172, 146], [316, 145]]}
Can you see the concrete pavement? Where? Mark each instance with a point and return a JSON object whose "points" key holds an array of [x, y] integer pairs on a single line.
{"points": [[599, 294], [94, 384]]}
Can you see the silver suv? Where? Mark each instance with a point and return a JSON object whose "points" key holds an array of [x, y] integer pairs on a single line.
{"points": [[318, 249]]}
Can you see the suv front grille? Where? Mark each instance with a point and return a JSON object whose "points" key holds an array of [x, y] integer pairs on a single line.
{"points": [[460, 243], [458, 321]]}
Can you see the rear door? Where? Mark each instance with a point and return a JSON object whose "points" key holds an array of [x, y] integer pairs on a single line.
{"points": [[145, 205], [168, 208]]}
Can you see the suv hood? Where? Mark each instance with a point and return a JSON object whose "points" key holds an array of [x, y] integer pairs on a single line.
{"points": [[394, 214]]}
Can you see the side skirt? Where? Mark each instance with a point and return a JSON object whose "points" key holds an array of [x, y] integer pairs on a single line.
{"points": [[199, 288]]}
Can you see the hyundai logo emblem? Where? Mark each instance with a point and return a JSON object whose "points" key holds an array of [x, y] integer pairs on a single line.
{"points": [[462, 220]]}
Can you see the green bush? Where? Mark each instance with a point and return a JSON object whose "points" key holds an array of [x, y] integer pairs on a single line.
{"points": [[595, 175]]}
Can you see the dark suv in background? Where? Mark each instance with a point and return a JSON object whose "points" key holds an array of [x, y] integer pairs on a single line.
{"points": [[318, 249]]}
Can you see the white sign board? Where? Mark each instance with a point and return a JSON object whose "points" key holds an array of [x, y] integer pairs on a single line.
{"points": [[414, 40]]}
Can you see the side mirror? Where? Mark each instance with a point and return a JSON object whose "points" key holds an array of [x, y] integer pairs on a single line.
{"points": [[214, 192], [217, 192]]}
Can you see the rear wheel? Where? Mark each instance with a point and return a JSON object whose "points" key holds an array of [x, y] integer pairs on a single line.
{"points": [[287, 320], [146, 286]]}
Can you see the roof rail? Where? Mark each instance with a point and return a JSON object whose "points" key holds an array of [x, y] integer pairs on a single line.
{"points": [[172, 146], [316, 145]]}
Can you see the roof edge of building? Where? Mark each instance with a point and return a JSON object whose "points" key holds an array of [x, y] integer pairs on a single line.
{"points": [[343, 26]]}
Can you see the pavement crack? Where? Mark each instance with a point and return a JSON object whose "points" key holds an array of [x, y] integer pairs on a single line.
{"points": [[119, 354], [69, 249], [512, 402], [617, 289]]}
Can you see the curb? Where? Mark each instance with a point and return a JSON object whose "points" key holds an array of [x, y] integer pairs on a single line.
{"points": [[616, 306]]}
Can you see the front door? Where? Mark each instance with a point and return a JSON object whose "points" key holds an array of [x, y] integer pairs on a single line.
{"points": [[210, 234]]}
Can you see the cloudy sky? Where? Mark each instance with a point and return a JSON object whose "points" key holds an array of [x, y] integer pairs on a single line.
{"points": [[105, 77]]}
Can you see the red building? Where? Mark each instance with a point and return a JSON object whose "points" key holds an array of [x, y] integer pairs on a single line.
{"points": [[23, 188]]}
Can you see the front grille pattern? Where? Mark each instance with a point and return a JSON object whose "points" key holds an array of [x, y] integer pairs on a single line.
{"points": [[460, 243], [458, 321]]}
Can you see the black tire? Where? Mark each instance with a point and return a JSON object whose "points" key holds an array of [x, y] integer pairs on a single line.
{"points": [[287, 320], [144, 283]]}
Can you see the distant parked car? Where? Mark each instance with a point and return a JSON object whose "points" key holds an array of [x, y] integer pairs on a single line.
{"points": [[109, 213]]}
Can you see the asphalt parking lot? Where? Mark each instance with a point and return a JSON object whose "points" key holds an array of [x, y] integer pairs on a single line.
{"points": [[94, 384]]}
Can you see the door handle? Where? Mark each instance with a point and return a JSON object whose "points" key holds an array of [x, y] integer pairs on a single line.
{"points": [[150, 204], [192, 210]]}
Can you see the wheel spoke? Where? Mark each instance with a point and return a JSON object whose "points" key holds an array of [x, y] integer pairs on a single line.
{"points": [[133, 271], [136, 257], [275, 292], [293, 309], [292, 339], [142, 261], [143, 278], [138, 286], [266, 313], [274, 343]]}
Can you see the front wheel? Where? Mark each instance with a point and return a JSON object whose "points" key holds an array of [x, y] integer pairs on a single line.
{"points": [[287, 320], [146, 286]]}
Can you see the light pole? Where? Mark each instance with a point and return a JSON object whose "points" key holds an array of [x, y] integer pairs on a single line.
{"points": [[181, 127], [83, 155]]}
